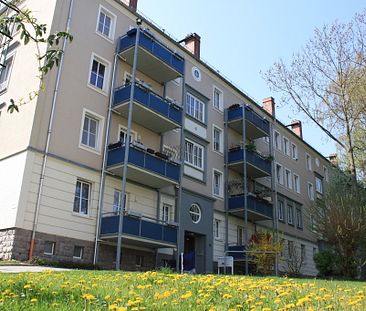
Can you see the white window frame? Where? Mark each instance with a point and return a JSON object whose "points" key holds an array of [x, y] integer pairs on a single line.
{"points": [[294, 151], [4, 85], [296, 183], [286, 142], [321, 191], [221, 139], [279, 180], [240, 235], [195, 111], [308, 162], [100, 119], [290, 220], [117, 207], [217, 229], [221, 183], [277, 143], [173, 153], [89, 199], [195, 145], [122, 128], [221, 98], [288, 178], [113, 18], [81, 252], [299, 219], [52, 248], [197, 213], [281, 210], [166, 212], [311, 191], [106, 77], [326, 173]]}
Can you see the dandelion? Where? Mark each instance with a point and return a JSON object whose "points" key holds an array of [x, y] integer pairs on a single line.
{"points": [[33, 300]]}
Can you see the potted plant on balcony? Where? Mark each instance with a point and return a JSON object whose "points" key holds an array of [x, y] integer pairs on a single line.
{"points": [[269, 158], [250, 147]]}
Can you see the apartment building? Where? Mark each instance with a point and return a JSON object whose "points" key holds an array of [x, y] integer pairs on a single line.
{"points": [[134, 143]]}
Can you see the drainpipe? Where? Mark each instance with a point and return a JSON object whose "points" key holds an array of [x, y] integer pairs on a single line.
{"points": [[105, 152], [127, 147], [49, 132], [181, 156], [245, 191], [226, 172]]}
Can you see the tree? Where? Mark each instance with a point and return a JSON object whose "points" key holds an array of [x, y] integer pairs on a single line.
{"points": [[340, 220], [294, 260], [264, 250], [325, 80], [31, 31]]}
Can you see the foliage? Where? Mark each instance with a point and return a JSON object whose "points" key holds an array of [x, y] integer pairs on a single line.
{"points": [[340, 219], [326, 81], [293, 261], [263, 249], [103, 290], [63, 264], [326, 262], [32, 31]]}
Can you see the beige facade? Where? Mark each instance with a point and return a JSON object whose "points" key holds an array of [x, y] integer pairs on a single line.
{"points": [[78, 200]]}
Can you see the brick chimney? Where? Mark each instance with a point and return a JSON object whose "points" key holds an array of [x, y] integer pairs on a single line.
{"points": [[296, 127], [133, 5], [333, 158], [193, 44], [269, 105]]}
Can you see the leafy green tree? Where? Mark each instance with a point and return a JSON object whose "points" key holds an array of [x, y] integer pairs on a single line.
{"points": [[14, 20]]}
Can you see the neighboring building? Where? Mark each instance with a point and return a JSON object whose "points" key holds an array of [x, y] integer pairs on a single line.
{"points": [[61, 200]]}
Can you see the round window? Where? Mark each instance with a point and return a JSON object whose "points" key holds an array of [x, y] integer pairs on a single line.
{"points": [[195, 213], [196, 73]]}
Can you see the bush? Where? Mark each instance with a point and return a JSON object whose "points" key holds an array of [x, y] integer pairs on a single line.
{"points": [[326, 263], [64, 264]]}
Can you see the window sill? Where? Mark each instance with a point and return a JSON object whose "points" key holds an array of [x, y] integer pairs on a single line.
{"points": [[87, 148], [86, 216], [218, 152], [195, 120], [218, 110], [218, 197], [98, 90], [109, 39]]}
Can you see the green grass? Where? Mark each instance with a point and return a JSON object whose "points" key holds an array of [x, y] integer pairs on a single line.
{"points": [[9, 262], [104, 290]]}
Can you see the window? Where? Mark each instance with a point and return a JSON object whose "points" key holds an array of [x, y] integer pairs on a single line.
{"points": [[117, 201], [290, 214], [279, 174], [49, 248], [139, 261], [195, 213], [218, 99], [308, 162], [171, 152], [106, 23], [82, 197], [195, 108], [99, 73], [193, 154], [286, 147], [296, 183], [319, 184], [294, 151], [303, 252], [277, 140], [290, 248], [78, 252], [5, 71], [123, 135], [217, 229], [288, 179], [217, 183], [281, 212], [166, 212], [311, 191], [326, 176], [217, 139], [299, 218], [240, 235], [90, 133]]}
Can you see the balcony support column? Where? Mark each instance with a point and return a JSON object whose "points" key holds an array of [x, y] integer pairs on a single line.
{"points": [[127, 149], [226, 186]]}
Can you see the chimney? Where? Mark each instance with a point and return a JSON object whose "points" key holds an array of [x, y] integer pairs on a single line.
{"points": [[269, 105], [133, 5], [333, 158], [193, 44], [296, 127]]}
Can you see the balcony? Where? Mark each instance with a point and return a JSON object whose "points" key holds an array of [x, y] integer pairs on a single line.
{"points": [[257, 166], [150, 110], [258, 209], [255, 125], [154, 58], [139, 230], [143, 167]]}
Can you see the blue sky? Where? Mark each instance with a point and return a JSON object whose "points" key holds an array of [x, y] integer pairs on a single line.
{"points": [[240, 38]]}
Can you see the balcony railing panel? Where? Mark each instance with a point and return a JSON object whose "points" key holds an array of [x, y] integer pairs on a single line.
{"points": [[253, 158], [259, 207]]}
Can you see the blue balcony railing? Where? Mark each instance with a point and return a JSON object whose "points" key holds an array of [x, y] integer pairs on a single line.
{"points": [[153, 46], [253, 158], [149, 100], [237, 251], [255, 205], [236, 113], [139, 227], [144, 160]]}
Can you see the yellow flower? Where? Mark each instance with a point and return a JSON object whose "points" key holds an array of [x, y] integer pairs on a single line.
{"points": [[34, 300], [27, 286], [88, 296], [227, 296], [186, 295]]}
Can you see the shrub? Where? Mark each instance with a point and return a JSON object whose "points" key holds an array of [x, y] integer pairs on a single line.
{"points": [[326, 263]]}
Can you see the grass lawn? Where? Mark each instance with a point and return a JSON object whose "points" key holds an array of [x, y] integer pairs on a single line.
{"points": [[105, 290]]}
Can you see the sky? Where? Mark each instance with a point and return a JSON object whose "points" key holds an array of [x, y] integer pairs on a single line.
{"points": [[242, 38]]}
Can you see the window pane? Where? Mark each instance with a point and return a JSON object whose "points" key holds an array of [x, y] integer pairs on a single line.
{"points": [[76, 204]]}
